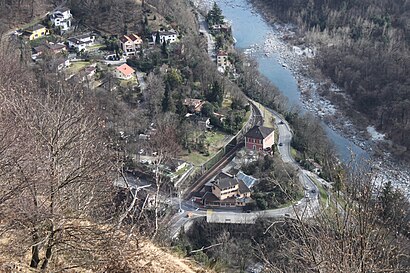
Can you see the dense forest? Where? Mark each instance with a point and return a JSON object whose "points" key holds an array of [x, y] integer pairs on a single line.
{"points": [[363, 48]]}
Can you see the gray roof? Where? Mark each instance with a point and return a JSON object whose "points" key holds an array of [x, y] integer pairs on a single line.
{"points": [[224, 183], [247, 179], [259, 132], [243, 188]]}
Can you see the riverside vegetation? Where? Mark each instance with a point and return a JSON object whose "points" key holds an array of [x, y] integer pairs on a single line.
{"points": [[363, 46], [61, 150]]}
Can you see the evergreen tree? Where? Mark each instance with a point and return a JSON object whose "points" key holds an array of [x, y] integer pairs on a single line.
{"points": [[181, 109], [164, 49], [167, 102], [158, 38], [215, 94], [215, 16]]}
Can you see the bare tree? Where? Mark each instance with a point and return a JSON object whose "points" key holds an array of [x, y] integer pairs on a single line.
{"points": [[165, 145], [350, 236], [60, 164]]}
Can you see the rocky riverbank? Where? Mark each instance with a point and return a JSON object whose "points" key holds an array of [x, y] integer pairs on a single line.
{"points": [[298, 60], [280, 42]]}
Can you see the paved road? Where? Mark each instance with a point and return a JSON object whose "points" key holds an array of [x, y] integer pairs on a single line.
{"points": [[203, 28], [305, 208]]}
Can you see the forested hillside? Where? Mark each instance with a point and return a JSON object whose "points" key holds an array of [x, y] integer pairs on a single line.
{"points": [[364, 48]]}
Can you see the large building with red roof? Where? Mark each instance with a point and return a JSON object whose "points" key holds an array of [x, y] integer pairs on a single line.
{"points": [[259, 138], [130, 44]]}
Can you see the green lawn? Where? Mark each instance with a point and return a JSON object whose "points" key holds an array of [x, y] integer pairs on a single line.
{"points": [[127, 83], [94, 47], [226, 104], [196, 158], [75, 67], [293, 152], [216, 141], [182, 171], [322, 192]]}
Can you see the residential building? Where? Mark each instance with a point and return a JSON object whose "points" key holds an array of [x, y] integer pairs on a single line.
{"points": [[168, 36], [259, 138], [193, 105], [222, 60], [81, 42], [61, 17], [36, 31], [56, 65], [48, 47], [124, 72], [226, 191], [130, 44]]}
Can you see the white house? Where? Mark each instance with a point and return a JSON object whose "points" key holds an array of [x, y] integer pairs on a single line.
{"points": [[130, 44], [81, 42], [167, 36], [124, 72], [222, 61], [61, 17]]}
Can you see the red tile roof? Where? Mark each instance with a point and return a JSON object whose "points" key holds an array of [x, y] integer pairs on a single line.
{"points": [[131, 38], [125, 69]]}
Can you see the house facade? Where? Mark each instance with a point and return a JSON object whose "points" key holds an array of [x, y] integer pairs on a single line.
{"points": [[124, 72], [130, 44], [222, 60], [168, 36], [259, 138], [227, 191], [81, 42], [62, 17], [36, 31]]}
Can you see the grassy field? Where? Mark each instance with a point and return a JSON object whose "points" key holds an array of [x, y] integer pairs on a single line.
{"points": [[128, 83], [322, 192], [75, 67], [216, 141], [226, 104]]}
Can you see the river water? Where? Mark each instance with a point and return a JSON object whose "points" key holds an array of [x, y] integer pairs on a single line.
{"points": [[249, 28]]}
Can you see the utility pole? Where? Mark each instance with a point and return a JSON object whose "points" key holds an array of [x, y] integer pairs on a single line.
{"points": [[179, 197]]}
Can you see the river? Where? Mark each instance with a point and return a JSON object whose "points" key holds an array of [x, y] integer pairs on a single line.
{"points": [[249, 28]]}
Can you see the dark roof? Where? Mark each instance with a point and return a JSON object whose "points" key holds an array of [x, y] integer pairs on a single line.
{"points": [[210, 197], [224, 183], [259, 132], [222, 175], [56, 46], [243, 188]]}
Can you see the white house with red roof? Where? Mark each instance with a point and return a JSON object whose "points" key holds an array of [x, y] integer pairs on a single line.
{"points": [[124, 72], [130, 44]]}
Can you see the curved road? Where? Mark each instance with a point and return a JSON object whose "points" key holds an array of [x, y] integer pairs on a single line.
{"points": [[305, 208]]}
